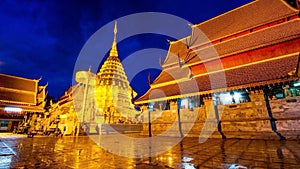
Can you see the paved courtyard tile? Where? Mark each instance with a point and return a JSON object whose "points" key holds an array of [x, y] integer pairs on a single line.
{"points": [[17, 151]]}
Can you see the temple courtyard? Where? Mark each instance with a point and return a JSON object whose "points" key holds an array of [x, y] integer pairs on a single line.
{"points": [[18, 151]]}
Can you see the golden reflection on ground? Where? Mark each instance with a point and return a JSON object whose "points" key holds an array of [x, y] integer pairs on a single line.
{"points": [[82, 152]]}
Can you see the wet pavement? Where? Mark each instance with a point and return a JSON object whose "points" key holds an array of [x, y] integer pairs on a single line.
{"points": [[18, 151]]}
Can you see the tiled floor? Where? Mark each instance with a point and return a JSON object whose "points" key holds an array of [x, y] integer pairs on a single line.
{"points": [[82, 152]]}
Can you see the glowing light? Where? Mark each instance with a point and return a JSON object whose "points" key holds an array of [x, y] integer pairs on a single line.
{"points": [[235, 166], [226, 98], [63, 116], [188, 166], [184, 103], [187, 159], [237, 97], [13, 109], [297, 84], [170, 160]]}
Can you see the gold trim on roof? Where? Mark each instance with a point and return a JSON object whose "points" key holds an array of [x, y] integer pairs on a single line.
{"points": [[23, 78], [226, 69], [220, 90]]}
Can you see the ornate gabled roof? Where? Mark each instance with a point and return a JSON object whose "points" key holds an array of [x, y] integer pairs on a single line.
{"points": [[247, 75], [282, 32], [273, 35], [17, 97], [245, 17], [177, 48], [18, 83], [177, 73], [18, 90], [241, 50], [243, 40], [21, 93], [259, 23]]}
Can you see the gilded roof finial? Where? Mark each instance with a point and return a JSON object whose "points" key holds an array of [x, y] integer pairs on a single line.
{"points": [[115, 32], [113, 51]]}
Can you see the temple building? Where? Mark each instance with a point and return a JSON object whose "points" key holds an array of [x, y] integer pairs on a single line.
{"points": [[22, 101], [235, 76], [61, 114], [97, 99]]}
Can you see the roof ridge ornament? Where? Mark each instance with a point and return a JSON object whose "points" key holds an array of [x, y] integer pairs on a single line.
{"points": [[39, 79]]}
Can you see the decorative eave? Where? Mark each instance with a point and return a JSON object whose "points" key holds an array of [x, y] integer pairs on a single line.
{"points": [[245, 86], [186, 78], [25, 108], [21, 78], [257, 73]]}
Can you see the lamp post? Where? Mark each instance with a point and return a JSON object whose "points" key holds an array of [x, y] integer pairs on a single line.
{"points": [[57, 120], [178, 116]]}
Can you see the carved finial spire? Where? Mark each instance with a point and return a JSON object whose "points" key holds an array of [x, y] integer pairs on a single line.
{"points": [[115, 31], [114, 51]]}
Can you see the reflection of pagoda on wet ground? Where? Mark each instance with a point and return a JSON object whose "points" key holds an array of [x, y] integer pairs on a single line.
{"points": [[105, 97]]}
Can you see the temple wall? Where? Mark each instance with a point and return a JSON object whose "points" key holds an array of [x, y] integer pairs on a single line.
{"points": [[192, 121], [246, 120], [249, 120], [287, 113], [162, 121]]}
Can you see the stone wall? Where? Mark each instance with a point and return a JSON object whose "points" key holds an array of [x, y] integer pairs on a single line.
{"points": [[287, 113], [249, 120], [192, 121], [246, 120], [161, 121]]}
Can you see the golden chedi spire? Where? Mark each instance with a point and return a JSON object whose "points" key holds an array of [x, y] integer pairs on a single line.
{"points": [[113, 91], [113, 50]]}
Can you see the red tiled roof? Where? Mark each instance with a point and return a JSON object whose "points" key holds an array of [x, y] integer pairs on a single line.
{"points": [[172, 74], [18, 90], [13, 82], [269, 36], [280, 33], [175, 49], [17, 97], [253, 26], [259, 72], [248, 16]]}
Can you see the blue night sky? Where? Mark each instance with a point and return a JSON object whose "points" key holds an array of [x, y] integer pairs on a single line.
{"points": [[44, 38]]}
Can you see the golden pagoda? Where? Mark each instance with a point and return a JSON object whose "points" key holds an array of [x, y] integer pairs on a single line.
{"points": [[101, 98], [113, 92]]}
